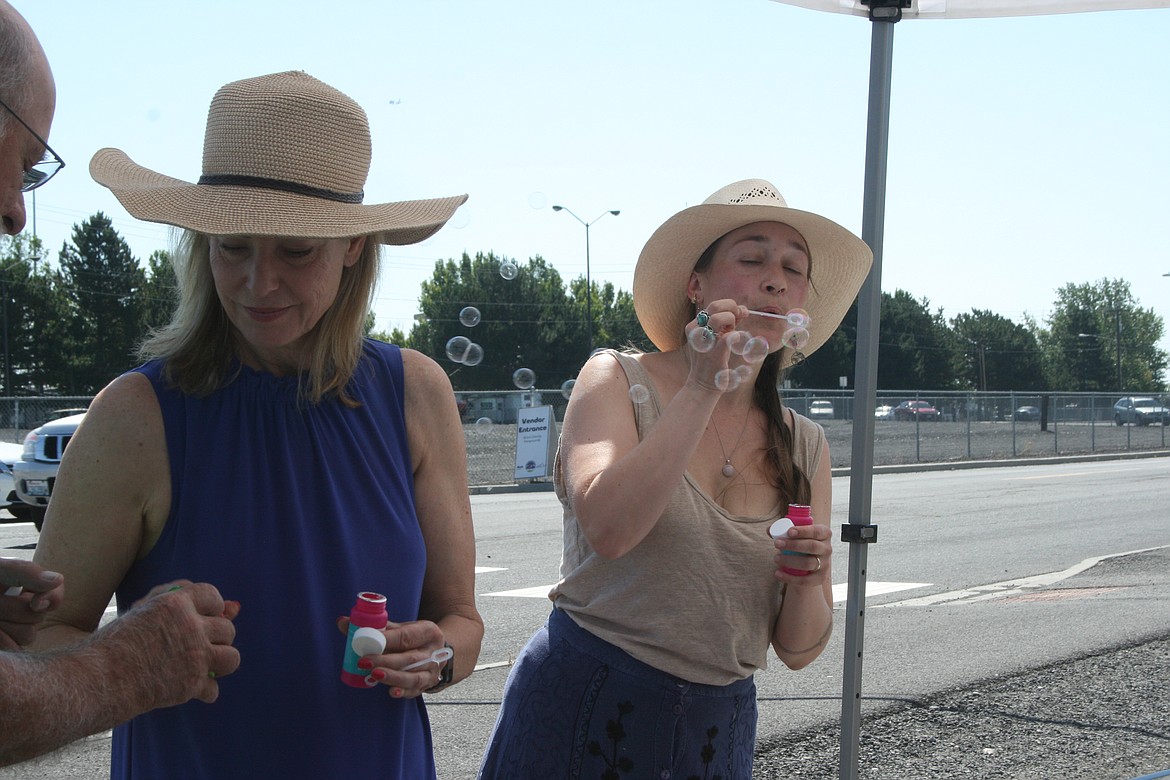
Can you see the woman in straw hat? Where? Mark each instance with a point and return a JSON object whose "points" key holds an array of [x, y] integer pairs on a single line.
{"points": [[268, 448], [672, 467]]}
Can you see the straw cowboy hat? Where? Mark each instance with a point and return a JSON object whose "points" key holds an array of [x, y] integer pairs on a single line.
{"points": [[283, 155], [840, 261]]}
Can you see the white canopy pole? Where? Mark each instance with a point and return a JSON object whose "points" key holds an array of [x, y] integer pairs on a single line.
{"points": [[859, 532]]}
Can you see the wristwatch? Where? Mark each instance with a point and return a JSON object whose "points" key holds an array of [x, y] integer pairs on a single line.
{"points": [[447, 673]]}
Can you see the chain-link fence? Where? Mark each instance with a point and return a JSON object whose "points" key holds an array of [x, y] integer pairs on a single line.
{"points": [[958, 426], [20, 415], [909, 426]]}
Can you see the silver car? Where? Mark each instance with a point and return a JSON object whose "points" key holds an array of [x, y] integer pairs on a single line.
{"points": [[36, 471], [9, 454], [821, 410], [1140, 411]]}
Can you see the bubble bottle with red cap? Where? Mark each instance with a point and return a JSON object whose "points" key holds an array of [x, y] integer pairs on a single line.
{"points": [[366, 621], [798, 514]]}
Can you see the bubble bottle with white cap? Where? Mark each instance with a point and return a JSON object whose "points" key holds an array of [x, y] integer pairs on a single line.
{"points": [[798, 514], [366, 621]]}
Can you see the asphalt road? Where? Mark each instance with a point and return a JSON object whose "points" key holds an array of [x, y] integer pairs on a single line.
{"points": [[978, 577]]}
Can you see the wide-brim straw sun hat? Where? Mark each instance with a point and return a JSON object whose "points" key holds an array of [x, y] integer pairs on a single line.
{"points": [[283, 155], [840, 262]]}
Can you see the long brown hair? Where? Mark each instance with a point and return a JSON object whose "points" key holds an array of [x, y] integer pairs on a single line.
{"points": [[780, 467], [200, 344]]}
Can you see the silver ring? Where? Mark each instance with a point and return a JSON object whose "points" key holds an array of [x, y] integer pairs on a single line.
{"points": [[702, 318], [818, 568]]}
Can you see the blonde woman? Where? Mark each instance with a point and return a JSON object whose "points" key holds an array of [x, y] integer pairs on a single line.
{"points": [[269, 449]]}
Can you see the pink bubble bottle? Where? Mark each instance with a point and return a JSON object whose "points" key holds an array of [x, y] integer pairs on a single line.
{"points": [[369, 612]]}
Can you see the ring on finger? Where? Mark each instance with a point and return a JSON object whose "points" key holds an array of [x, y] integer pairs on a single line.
{"points": [[818, 568], [702, 318]]}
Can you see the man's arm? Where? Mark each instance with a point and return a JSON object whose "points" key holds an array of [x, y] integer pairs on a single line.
{"points": [[173, 646]]}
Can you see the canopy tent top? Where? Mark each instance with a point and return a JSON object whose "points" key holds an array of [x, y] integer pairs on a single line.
{"points": [[978, 9]]}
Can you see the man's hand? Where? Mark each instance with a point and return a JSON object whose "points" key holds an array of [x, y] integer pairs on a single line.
{"points": [[27, 592], [176, 642]]}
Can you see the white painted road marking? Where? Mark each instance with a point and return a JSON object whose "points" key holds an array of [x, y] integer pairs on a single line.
{"points": [[840, 591], [997, 590]]}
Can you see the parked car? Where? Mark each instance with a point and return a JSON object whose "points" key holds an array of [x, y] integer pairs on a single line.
{"points": [[821, 410], [9, 454], [1141, 411], [916, 410], [57, 414], [36, 471], [884, 412], [1027, 413]]}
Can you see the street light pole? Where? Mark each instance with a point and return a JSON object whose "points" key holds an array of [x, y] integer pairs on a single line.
{"points": [[588, 281], [1117, 315]]}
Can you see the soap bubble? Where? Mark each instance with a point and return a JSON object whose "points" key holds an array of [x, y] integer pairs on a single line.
{"points": [[795, 338], [742, 374], [756, 349], [461, 218], [726, 379], [701, 339], [567, 388], [474, 355], [509, 270], [469, 317], [457, 348], [483, 422], [737, 340], [639, 394], [798, 318], [524, 378]]}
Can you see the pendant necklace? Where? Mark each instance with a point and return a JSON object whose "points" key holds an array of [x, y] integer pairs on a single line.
{"points": [[728, 469]]}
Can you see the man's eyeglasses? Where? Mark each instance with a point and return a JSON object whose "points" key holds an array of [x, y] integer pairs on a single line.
{"points": [[48, 166]]}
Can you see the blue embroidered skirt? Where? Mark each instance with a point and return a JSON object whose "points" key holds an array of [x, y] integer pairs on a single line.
{"points": [[575, 706]]}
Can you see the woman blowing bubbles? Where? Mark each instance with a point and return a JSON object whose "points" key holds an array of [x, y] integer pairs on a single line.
{"points": [[671, 587], [269, 449]]}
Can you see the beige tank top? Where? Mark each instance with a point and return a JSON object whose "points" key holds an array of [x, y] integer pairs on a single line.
{"points": [[697, 597]]}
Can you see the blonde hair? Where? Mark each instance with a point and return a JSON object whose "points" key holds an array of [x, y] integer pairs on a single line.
{"points": [[200, 345]]}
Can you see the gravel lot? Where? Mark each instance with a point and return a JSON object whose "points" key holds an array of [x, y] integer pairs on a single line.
{"points": [[1113, 724]]}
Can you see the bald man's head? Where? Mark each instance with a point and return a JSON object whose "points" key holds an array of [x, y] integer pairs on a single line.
{"points": [[28, 92]]}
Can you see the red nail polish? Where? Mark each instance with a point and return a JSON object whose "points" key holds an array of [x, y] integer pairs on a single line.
{"points": [[365, 663], [396, 692], [378, 674]]}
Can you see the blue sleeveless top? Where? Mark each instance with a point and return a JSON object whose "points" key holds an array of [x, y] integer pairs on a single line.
{"points": [[290, 508]]}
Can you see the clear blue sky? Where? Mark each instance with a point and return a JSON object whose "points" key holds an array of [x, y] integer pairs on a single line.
{"points": [[1025, 153]]}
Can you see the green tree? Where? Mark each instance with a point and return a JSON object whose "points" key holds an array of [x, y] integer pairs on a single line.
{"points": [[837, 358], [104, 284], [31, 312], [1098, 331], [915, 345], [615, 324], [994, 353], [523, 322], [49, 343], [160, 294]]}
